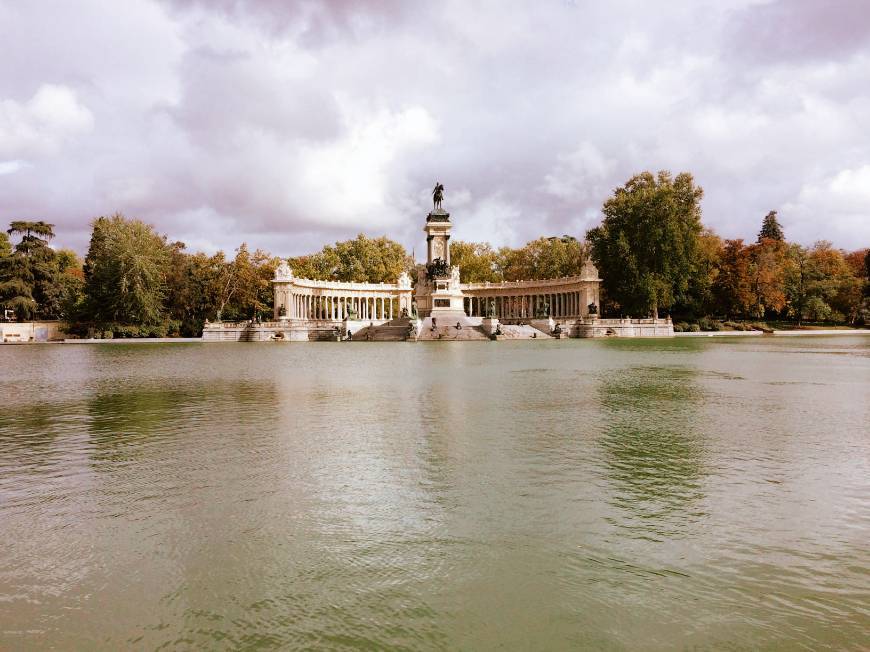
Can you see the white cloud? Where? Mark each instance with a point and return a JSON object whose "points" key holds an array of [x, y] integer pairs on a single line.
{"points": [[11, 167], [354, 177], [841, 201], [43, 124], [578, 175]]}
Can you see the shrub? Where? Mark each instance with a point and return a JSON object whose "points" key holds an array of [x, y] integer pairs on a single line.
{"points": [[678, 328], [123, 330], [705, 324], [684, 327], [154, 330], [817, 309], [694, 328], [717, 325]]}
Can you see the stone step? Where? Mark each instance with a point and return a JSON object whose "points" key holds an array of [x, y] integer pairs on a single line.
{"points": [[521, 332], [395, 330]]}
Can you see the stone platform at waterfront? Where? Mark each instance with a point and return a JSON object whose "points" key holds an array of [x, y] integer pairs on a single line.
{"points": [[404, 329]]}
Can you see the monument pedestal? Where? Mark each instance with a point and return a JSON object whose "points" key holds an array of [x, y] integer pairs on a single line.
{"points": [[438, 293], [489, 325]]}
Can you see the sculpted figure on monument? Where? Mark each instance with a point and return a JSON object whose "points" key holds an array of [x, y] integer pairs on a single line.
{"points": [[490, 309], [437, 194], [283, 272], [437, 269], [593, 309]]}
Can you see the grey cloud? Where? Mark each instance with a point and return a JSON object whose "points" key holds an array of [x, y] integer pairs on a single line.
{"points": [[784, 31], [289, 125]]}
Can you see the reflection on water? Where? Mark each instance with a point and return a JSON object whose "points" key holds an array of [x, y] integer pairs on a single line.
{"points": [[525, 495], [653, 449]]}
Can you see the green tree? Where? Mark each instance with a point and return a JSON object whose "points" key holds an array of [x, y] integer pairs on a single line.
{"points": [[700, 298], [822, 284], [833, 282], [244, 286], [192, 288], [361, 260], [798, 280], [771, 228], [5, 246], [65, 295], [646, 246], [476, 261], [125, 272], [28, 274], [552, 257]]}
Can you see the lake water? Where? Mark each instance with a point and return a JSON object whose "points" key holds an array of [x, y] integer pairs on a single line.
{"points": [[621, 494]]}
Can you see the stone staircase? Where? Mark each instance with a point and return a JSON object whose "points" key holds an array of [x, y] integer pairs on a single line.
{"points": [[395, 330], [446, 330], [521, 332]]}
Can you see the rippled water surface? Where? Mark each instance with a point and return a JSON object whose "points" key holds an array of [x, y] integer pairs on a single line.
{"points": [[654, 494]]}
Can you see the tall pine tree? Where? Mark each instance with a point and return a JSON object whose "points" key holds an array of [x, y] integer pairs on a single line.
{"points": [[771, 228]]}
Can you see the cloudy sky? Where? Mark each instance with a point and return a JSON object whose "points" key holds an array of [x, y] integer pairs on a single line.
{"points": [[292, 124]]}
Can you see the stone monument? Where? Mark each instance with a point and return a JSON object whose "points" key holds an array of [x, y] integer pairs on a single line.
{"points": [[438, 291]]}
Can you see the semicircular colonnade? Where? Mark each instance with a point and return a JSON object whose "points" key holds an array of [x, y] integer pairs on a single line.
{"points": [[560, 298], [314, 300]]}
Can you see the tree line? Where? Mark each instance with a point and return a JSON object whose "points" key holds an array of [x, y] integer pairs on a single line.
{"points": [[651, 249], [655, 254], [132, 282]]}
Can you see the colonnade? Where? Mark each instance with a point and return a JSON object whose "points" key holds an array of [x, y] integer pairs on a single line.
{"points": [[336, 307], [528, 306]]}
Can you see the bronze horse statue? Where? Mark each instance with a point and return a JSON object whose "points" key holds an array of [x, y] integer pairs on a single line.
{"points": [[438, 194]]}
